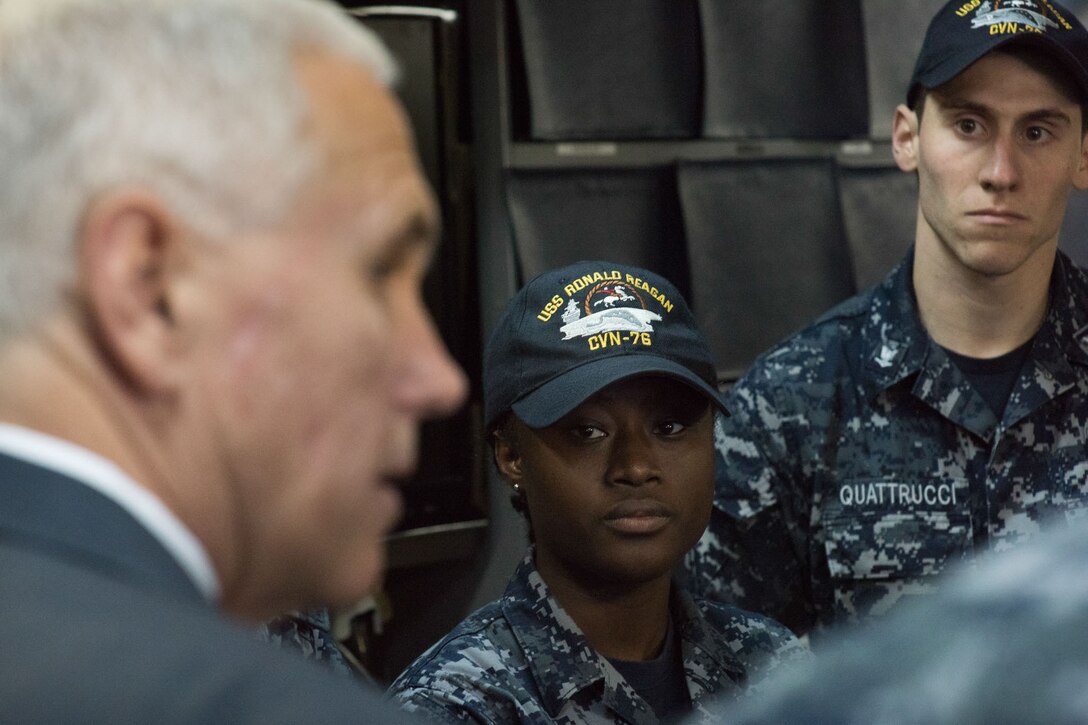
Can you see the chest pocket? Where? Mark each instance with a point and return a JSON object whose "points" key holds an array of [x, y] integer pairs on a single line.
{"points": [[879, 550]]}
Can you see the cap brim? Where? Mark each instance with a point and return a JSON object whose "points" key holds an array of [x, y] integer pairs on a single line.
{"points": [[557, 397]]}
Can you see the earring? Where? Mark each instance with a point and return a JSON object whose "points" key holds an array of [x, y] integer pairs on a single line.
{"points": [[517, 488]]}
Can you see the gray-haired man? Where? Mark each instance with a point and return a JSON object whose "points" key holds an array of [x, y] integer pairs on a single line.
{"points": [[213, 351]]}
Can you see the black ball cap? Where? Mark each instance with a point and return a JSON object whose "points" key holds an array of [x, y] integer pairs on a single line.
{"points": [[965, 30], [570, 332]]}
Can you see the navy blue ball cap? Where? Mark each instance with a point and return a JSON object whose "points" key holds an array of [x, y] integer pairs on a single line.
{"points": [[965, 30], [570, 332]]}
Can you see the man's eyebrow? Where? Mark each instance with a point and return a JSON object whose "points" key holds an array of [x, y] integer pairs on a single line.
{"points": [[1042, 114], [421, 228], [962, 104], [418, 231], [1054, 115]]}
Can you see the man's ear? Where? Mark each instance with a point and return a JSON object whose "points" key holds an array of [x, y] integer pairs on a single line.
{"points": [[129, 250], [507, 456], [905, 138], [1080, 178]]}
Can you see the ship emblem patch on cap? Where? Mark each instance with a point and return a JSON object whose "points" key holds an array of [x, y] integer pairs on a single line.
{"points": [[609, 307], [1013, 16]]}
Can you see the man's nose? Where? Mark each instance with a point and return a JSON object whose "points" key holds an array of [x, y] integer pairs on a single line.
{"points": [[430, 383], [1001, 172]]}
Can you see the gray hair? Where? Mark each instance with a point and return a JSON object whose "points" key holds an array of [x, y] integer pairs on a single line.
{"points": [[197, 101]]}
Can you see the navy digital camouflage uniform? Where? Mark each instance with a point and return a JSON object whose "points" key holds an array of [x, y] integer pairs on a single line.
{"points": [[522, 659], [859, 462], [308, 633]]}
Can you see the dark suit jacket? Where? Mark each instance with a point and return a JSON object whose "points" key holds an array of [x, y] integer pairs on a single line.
{"points": [[98, 623]]}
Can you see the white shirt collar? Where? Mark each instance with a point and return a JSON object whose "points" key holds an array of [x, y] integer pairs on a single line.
{"points": [[105, 477]]}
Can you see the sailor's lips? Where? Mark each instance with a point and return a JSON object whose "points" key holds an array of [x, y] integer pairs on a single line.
{"points": [[996, 216], [638, 516]]}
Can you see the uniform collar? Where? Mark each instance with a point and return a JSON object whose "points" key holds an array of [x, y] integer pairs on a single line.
{"points": [[1061, 345], [710, 667], [1063, 338], [898, 351], [894, 343], [542, 626]]}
